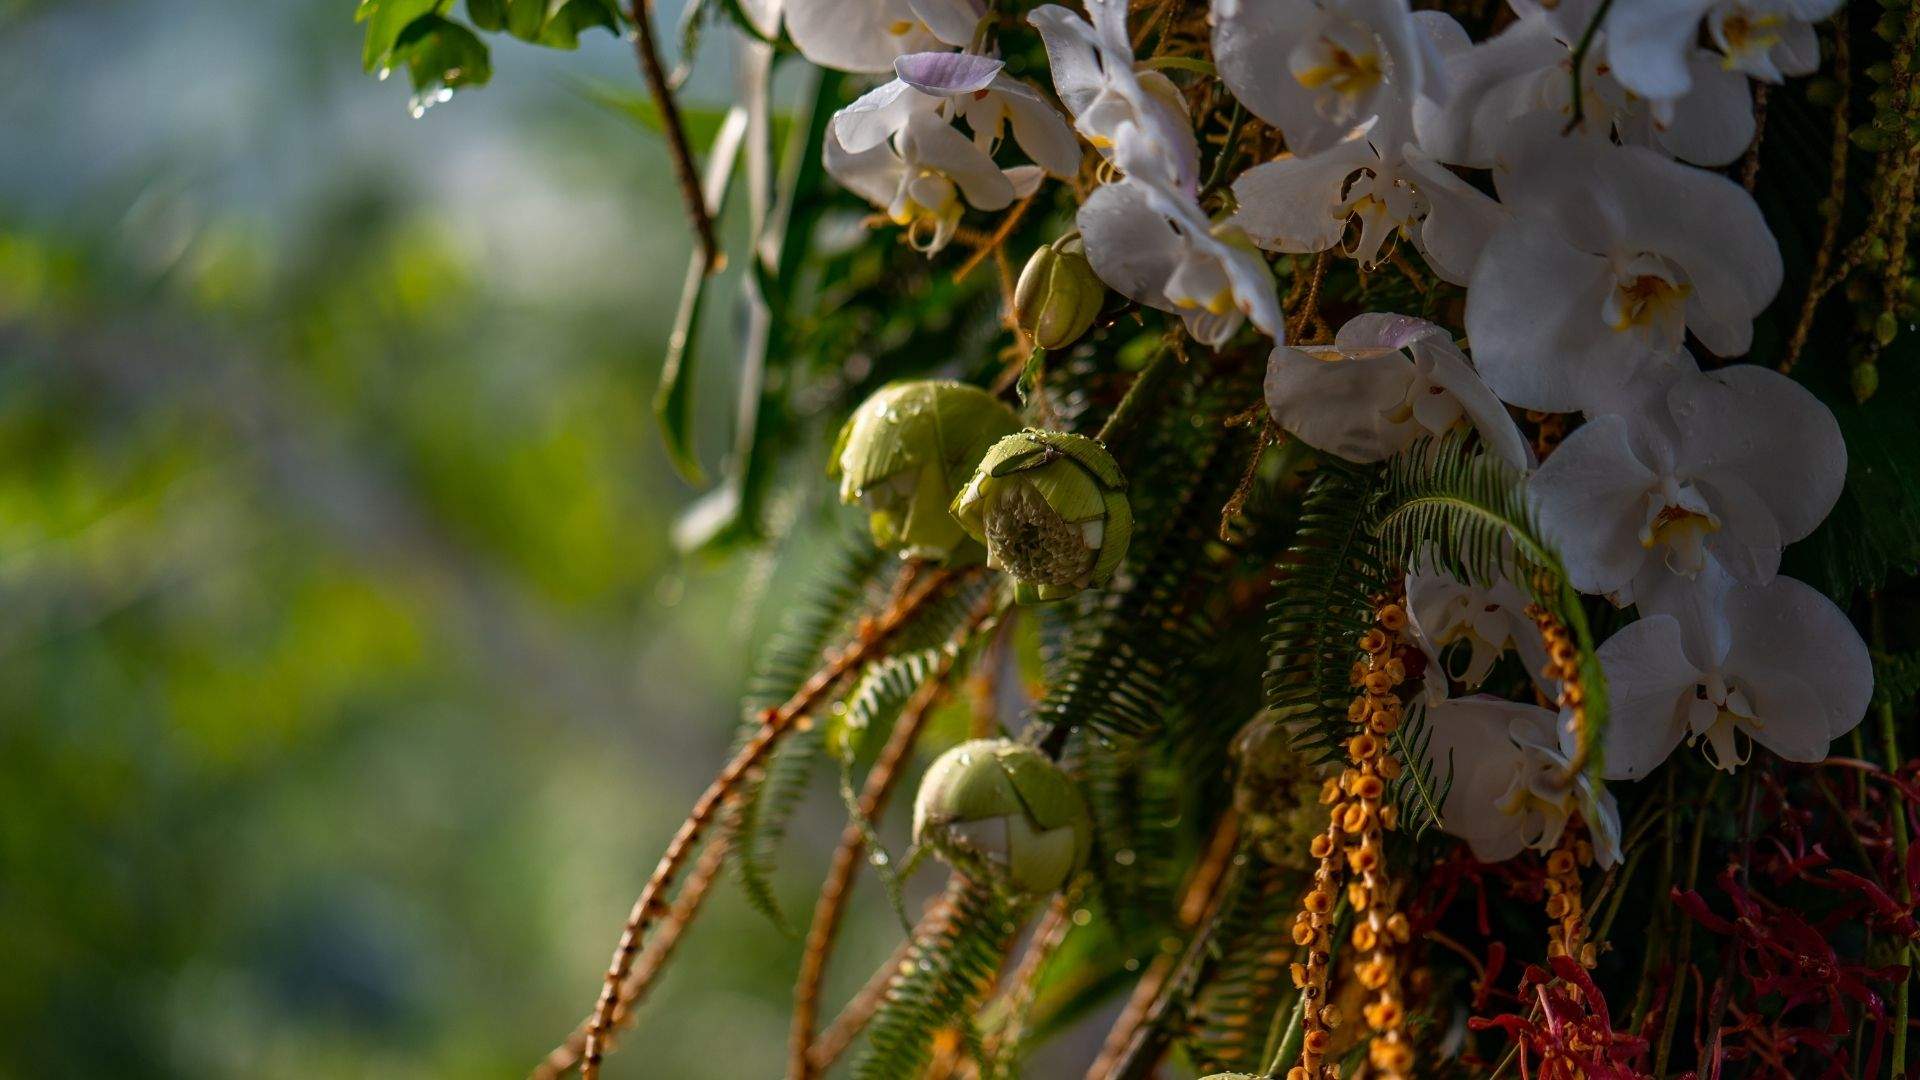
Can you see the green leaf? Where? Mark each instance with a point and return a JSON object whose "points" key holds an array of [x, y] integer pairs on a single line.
{"points": [[526, 18], [441, 53], [571, 18], [490, 15], [386, 20]]}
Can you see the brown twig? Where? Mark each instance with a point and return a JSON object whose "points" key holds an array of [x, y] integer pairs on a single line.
{"points": [[659, 951], [874, 794], [1136, 1041], [853, 1017], [999, 236], [1307, 317], [1750, 168], [775, 723], [1025, 980], [640, 12], [1836, 196]]}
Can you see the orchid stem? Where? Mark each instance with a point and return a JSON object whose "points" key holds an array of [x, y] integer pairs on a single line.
{"points": [[1137, 397], [1671, 1020], [1580, 62], [1890, 742]]}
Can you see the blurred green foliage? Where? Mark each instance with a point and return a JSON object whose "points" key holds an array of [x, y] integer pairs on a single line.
{"points": [[348, 682]]}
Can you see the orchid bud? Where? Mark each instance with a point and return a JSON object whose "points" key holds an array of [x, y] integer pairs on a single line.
{"points": [[1865, 381], [904, 452], [1004, 812], [1058, 294], [1052, 510]]}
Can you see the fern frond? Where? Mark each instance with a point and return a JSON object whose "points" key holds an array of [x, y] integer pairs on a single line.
{"points": [[757, 822], [1329, 579], [1232, 1009], [1111, 682], [944, 977], [1466, 513], [1416, 791]]}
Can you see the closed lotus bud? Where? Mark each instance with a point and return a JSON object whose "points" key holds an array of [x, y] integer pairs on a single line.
{"points": [[1005, 813], [906, 450], [1052, 509], [1058, 294]]}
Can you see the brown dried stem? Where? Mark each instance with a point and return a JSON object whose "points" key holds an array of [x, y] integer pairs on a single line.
{"points": [[1138, 1038], [834, 893], [640, 12], [775, 723], [853, 1018], [659, 951]]}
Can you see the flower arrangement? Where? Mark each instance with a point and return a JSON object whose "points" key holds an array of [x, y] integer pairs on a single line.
{"points": [[1344, 463]]}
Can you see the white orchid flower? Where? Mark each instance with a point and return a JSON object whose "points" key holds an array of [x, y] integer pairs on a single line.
{"points": [[896, 147], [968, 87], [1786, 669], [1611, 255], [1320, 69], [1650, 42], [1511, 788], [1521, 80], [1730, 467], [1157, 247], [1307, 204], [1443, 612], [1098, 81], [1386, 381], [866, 35]]}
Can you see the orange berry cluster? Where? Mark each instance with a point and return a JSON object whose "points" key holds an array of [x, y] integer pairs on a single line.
{"points": [[1568, 935], [1360, 819], [1563, 667]]}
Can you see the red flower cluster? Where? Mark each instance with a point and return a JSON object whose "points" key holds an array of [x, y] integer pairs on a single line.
{"points": [[1573, 1035], [1778, 953]]}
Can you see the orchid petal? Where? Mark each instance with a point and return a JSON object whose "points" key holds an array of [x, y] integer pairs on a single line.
{"points": [[856, 35], [1298, 204], [1589, 494], [1649, 683], [944, 74], [1769, 433], [1785, 633]]}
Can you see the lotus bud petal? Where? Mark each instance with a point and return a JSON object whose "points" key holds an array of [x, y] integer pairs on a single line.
{"points": [[1052, 510], [906, 450], [1058, 295], [1005, 813]]}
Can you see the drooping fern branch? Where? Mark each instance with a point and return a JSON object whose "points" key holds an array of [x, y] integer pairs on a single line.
{"points": [[1324, 603], [945, 975], [756, 824], [1229, 1015], [1111, 686], [1466, 513], [1330, 579]]}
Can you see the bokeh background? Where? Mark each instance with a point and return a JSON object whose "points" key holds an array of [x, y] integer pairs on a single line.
{"points": [[349, 680]]}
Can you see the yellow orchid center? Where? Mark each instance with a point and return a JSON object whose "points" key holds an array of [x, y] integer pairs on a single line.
{"points": [[1743, 35], [1645, 301], [1340, 71]]}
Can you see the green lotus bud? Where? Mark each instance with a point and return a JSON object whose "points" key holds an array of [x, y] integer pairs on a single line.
{"points": [[905, 451], [1277, 792], [1052, 509], [1058, 294], [1003, 812]]}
